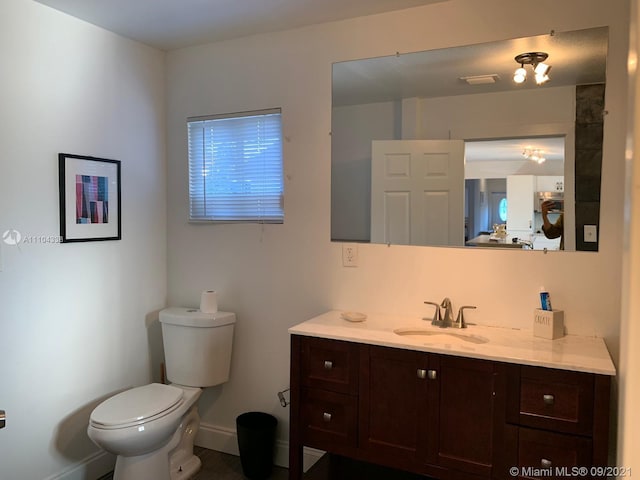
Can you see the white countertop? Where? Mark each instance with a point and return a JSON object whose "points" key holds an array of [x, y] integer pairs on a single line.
{"points": [[571, 352], [493, 241]]}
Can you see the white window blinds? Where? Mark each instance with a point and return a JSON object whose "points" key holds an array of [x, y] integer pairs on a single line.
{"points": [[235, 167]]}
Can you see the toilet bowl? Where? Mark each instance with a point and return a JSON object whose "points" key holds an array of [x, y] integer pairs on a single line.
{"points": [[140, 420], [151, 428]]}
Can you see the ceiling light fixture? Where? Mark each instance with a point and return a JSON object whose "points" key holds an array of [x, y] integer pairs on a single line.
{"points": [[536, 60], [534, 154]]}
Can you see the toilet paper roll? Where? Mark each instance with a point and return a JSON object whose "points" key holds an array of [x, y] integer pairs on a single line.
{"points": [[209, 301]]}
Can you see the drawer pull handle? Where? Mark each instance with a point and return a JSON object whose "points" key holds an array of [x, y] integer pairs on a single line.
{"points": [[328, 364], [430, 374], [544, 463], [326, 417], [548, 399]]}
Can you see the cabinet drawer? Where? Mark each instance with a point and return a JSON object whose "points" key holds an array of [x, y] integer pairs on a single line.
{"points": [[556, 400], [330, 365], [328, 419], [543, 454]]}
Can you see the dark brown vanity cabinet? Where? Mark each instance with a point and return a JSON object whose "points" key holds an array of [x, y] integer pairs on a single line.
{"points": [[442, 416], [422, 411], [557, 421]]}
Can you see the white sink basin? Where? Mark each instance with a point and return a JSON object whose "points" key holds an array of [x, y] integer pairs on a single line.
{"points": [[444, 335]]}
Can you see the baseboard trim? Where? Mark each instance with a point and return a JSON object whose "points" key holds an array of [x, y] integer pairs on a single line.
{"points": [[96, 465], [225, 440]]}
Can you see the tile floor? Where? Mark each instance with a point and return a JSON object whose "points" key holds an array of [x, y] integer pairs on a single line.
{"points": [[221, 466]]}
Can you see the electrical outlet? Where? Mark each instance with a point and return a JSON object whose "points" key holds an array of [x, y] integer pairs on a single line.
{"points": [[350, 255], [590, 233]]}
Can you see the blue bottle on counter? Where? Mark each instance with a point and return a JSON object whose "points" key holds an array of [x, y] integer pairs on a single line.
{"points": [[545, 301]]}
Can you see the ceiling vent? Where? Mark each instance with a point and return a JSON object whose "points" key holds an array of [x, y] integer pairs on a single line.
{"points": [[481, 79]]}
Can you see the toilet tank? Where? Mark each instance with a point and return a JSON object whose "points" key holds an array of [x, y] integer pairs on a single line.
{"points": [[197, 346]]}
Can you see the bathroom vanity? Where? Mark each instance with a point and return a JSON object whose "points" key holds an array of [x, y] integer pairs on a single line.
{"points": [[480, 402]]}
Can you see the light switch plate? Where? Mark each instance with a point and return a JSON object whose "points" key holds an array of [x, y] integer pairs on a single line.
{"points": [[590, 233]]}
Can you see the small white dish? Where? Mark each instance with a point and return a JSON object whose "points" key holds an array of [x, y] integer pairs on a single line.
{"points": [[353, 316]]}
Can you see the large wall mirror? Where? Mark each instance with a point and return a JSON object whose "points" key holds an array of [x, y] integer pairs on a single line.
{"points": [[444, 147]]}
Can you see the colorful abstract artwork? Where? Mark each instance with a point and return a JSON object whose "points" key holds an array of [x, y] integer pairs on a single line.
{"points": [[92, 199]]}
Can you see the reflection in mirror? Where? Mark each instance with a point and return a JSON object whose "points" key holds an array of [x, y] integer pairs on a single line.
{"points": [[442, 147]]}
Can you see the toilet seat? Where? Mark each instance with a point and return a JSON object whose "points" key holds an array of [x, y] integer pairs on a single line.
{"points": [[137, 406]]}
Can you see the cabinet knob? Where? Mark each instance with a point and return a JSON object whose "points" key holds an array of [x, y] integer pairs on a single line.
{"points": [[430, 374], [328, 364], [544, 463], [3, 418], [548, 399], [326, 417]]}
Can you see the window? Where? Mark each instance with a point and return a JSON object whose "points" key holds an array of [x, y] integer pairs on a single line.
{"points": [[502, 209], [235, 167]]}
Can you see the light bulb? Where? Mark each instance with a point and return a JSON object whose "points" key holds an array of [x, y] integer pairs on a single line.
{"points": [[540, 79], [542, 73], [520, 75], [542, 69]]}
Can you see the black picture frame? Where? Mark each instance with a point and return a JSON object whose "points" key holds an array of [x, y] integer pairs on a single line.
{"points": [[90, 198]]}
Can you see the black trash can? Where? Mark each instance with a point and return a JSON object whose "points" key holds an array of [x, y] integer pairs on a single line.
{"points": [[256, 438]]}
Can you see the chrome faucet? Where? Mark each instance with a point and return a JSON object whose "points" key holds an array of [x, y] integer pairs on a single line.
{"points": [[438, 319], [446, 320]]}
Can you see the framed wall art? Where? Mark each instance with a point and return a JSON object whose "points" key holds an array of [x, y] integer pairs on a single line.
{"points": [[89, 198]]}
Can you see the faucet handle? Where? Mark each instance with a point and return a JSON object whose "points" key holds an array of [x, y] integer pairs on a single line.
{"points": [[460, 320], [436, 320]]}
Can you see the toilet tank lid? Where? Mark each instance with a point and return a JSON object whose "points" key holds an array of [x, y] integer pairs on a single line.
{"points": [[192, 317]]}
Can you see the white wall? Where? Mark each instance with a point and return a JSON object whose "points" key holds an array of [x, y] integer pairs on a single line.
{"points": [[73, 317], [629, 380], [352, 129], [275, 276], [520, 111]]}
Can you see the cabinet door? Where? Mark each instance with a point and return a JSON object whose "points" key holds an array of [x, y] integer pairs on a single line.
{"points": [[464, 394], [394, 407], [520, 204]]}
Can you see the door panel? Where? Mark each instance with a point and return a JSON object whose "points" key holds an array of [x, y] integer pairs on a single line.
{"points": [[412, 183], [393, 404], [466, 414], [520, 206]]}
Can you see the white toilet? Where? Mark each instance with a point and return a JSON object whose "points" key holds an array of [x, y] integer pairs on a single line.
{"points": [[151, 428]]}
